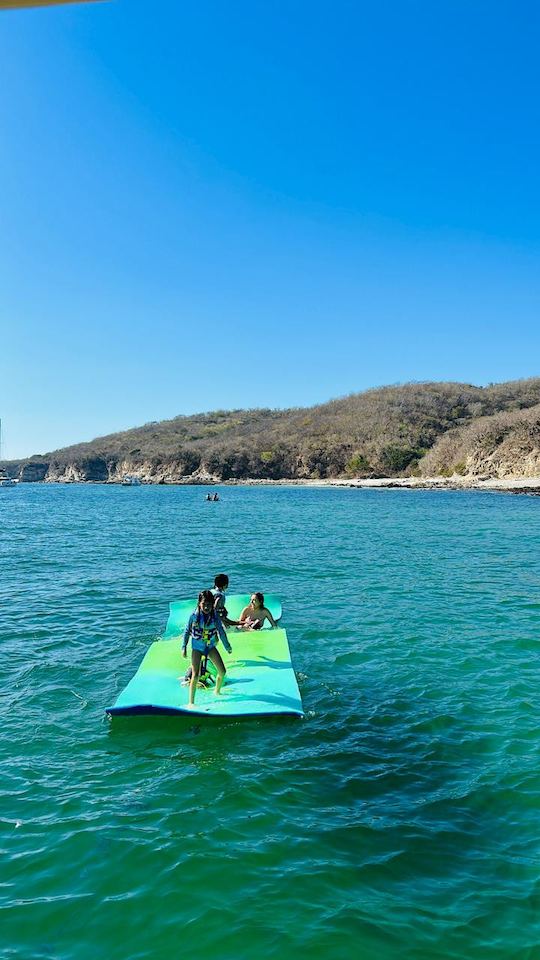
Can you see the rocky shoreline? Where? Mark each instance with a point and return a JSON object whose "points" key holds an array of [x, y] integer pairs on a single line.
{"points": [[98, 470], [515, 484]]}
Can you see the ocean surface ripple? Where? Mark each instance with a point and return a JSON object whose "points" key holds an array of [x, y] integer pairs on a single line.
{"points": [[399, 819]]}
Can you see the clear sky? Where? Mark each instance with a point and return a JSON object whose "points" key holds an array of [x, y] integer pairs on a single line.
{"points": [[209, 204]]}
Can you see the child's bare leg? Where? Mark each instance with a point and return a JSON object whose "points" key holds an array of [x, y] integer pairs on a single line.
{"points": [[215, 657], [196, 657]]}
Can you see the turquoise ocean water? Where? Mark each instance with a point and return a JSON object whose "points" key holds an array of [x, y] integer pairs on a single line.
{"points": [[399, 819]]}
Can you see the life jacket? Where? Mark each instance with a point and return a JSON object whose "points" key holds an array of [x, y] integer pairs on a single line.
{"points": [[207, 632], [219, 602]]}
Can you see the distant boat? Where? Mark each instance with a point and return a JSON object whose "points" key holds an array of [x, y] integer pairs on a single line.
{"points": [[130, 480], [5, 481]]}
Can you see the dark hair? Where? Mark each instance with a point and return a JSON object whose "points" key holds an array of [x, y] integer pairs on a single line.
{"points": [[206, 595], [221, 580], [260, 598]]}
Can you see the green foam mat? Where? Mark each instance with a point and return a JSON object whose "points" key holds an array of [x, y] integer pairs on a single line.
{"points": [[260, 680], [181, 610]]}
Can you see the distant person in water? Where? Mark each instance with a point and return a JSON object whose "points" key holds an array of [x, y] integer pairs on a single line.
{"points": [[204, 629], [209, 496], [216, 496], [221, 584], [254, 615]]}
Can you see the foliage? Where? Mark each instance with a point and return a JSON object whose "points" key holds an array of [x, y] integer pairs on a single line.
{"points": [[358, 464], [396, 459]]}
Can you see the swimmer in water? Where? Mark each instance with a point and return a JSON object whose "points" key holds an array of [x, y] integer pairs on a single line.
{"points": [[254, 615]]}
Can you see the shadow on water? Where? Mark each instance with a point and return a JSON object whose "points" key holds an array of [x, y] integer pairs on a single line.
{"points": [[176, 726]]}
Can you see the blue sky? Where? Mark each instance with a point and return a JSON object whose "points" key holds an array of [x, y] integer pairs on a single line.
{"points": [[213, 205]]}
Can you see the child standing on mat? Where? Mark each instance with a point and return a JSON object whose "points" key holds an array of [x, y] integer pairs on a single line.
{"points": [[254, 615], [221, 583], [204, 629]]}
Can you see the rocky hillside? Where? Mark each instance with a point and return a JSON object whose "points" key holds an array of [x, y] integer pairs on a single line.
{"points": [[504, 445], [390, 431]]}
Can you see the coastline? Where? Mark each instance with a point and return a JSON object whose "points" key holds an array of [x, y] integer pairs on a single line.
{"points": [[515, 484], [506, 484]]}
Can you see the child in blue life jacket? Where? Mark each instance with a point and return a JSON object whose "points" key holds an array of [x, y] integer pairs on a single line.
{"points": [[221, 584], [204, 629]]}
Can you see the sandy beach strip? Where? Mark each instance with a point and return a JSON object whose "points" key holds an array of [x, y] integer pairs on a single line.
{"points": [[456, 482]]}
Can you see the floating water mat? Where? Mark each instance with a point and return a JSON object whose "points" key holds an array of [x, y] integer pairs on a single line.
{"points": [[260, 678]]}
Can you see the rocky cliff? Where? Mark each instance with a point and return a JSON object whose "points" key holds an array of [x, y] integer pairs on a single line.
{"points": [[504, 445]]}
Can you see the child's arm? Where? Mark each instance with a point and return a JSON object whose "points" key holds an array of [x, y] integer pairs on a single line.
{"points": [[227, 622], [244, 615], [222, 635], [187, 634], [220, 610]]}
